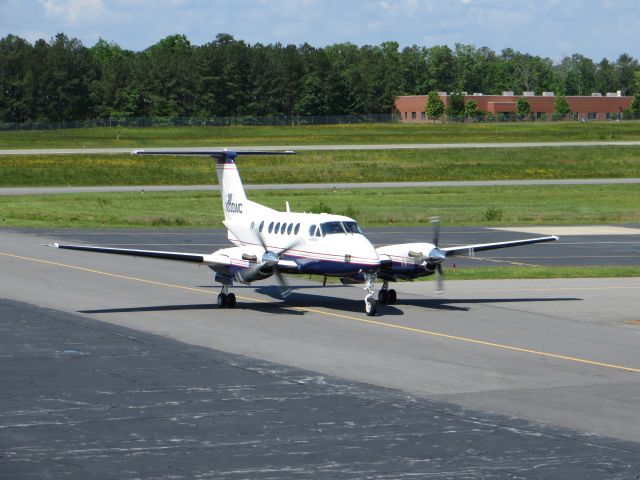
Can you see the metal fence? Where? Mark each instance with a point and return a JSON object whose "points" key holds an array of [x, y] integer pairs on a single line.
{"points": [[205, 121]]}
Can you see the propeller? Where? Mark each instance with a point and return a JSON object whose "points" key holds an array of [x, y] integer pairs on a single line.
{"points": [[437, 256], [270, 259]]}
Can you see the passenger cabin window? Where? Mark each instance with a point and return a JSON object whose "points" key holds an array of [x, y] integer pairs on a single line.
{"points": [[297, 229], [329, 228], [289, 228], [261, 225], [270, 227], [283, 228], [312, 230], [277, 229]]}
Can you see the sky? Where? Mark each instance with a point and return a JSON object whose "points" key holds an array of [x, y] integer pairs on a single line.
{"points": [[549, 28]]}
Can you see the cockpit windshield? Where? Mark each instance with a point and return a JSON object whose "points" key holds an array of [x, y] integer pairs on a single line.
{"points": [[352, 227], [329, 228]]}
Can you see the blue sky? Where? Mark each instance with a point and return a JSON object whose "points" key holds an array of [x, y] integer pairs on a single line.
{"points": [[550, 28]]}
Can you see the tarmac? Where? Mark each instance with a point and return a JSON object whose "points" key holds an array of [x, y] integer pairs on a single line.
{"points": [[115, 367]]}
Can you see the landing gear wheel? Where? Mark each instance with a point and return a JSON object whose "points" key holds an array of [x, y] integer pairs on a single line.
{"points": [[231, 300], [383, 297], [391, 297], [222, 300], [370, 306]]}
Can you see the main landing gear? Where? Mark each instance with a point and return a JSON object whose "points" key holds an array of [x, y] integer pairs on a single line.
{"points": [[225, 299], [386, 296]]}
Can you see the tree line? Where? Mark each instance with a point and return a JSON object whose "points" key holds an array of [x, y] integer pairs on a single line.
{"points": [[61, 79]]}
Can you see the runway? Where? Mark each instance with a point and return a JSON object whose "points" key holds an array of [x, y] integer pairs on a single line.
{"points": [[557, 356]]}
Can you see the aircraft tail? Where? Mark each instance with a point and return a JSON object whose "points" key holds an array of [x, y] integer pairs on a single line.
{"points": [[235, 204], [234, 200]]}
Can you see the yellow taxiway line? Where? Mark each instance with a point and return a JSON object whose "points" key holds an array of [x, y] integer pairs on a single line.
{"points": [[350, 317]]}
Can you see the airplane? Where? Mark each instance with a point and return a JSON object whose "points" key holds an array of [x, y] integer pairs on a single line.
{"points": [[272, 243]]}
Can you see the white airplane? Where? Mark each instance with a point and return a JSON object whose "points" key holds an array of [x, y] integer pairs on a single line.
{"points": [[269, 243]]}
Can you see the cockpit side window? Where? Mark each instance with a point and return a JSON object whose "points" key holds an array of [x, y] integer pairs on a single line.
{"points": [[329, 228], [352, 227]]}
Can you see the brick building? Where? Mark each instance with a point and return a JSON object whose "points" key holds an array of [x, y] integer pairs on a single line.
{"points": [[595, 107]]}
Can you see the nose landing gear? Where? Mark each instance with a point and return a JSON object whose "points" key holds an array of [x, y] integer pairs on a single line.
{"points": [[370, 304]]}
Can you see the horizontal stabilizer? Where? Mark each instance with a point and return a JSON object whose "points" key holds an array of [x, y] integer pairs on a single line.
{"points": [[224, 153]]}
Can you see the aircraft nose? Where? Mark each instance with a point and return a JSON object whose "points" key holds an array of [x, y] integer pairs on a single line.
{"points": [[362, 249]]}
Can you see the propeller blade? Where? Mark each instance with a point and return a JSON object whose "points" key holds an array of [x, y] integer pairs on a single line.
{"points": [[285, 289], [435, 221], [439, 279]]}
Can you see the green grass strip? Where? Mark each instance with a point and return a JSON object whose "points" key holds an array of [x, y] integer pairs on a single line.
{"points": [[481, 206], [321, 135], [327, 167]]}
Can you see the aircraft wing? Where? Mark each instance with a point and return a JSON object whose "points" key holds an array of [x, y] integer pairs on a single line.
{"points": [[481, 247], [205, 259]]}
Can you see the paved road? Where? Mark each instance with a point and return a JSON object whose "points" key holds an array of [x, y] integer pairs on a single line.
{"points": [[85, 399], [396, 146], [143, 406], [308, 186]]}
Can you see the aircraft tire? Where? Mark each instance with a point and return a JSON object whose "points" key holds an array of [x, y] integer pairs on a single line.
{"points": [[383, 297], [231, 300], [370, 306], [222, 300], [392, 297]]}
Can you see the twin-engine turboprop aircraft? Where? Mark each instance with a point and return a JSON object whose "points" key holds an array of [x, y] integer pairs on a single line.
{"points": [[269, 243]]}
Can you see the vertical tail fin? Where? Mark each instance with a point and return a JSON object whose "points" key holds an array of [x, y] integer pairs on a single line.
{"points": [[234, 200]]}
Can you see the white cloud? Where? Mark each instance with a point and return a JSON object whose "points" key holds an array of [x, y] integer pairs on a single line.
{"points": [[73, 10]]}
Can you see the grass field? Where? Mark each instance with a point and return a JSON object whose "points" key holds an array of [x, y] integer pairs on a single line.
{"points": [[484, 206], [321, 135], [323, 167]]}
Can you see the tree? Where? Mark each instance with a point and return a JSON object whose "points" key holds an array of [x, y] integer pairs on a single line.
{"points": [[523, 107], [626, 67], [471, 109], [561, 107], [635, 103], [606, 77], [435, 107], [440, 68], [455, 106]]}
